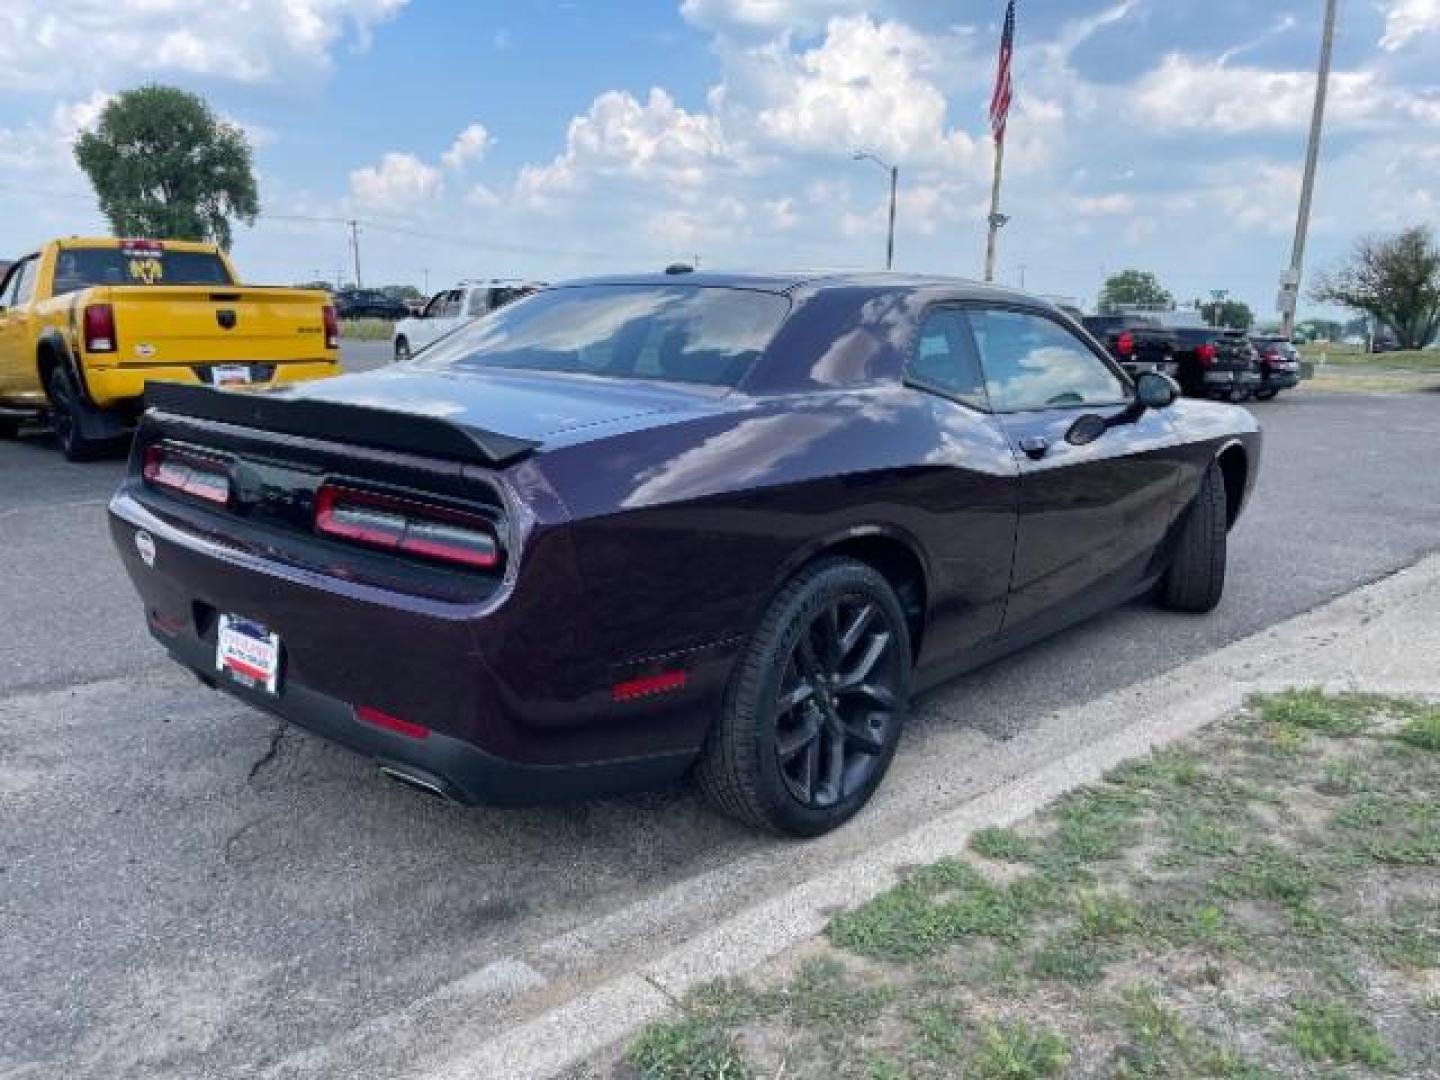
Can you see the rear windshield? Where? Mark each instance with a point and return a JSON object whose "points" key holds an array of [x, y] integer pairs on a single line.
{"points": [[83, 268], [674, 333]]}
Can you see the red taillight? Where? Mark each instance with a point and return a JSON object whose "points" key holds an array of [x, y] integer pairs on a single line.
{"points": [[411, 528], [189, 474], [1125, 343], [379, 719], [1205, 353], [142, 245], [99, 323], [332, 327], [649, 685]]}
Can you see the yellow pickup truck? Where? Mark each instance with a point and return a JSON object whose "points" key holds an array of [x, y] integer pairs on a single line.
{"points": [[85, 324]]}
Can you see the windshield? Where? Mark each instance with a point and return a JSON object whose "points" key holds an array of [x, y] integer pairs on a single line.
{"points": [[83, 268], [674, 333]]}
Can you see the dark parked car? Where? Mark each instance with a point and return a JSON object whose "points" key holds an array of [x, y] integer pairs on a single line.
{"points": [[1138, 342], [369, 304], [1279, 363], [625, 528], [1216, 363]]}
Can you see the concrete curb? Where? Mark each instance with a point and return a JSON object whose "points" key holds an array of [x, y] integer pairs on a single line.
{"points": [[1383, 637]]}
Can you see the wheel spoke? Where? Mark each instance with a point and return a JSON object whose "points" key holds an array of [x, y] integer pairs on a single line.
{"points": [[808, 768], [788, 745], [880, 695], [829, 623], [864, 737], [831, 790], [795, 697], [851, 637], [868, 659]]}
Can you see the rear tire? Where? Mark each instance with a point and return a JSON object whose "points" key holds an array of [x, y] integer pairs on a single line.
{"points": [[65, 410], [1265, 395], [1196, 578], [816, 704]]}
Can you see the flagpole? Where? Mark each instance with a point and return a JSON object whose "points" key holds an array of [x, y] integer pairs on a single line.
{"points": [[996, 218]]}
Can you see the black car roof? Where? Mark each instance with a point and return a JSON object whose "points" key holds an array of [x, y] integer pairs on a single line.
{"points": [[814, 281]]}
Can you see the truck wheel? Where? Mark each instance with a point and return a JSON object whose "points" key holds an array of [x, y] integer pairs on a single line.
{"points": [[402, 350], [1196, 578], [9, 427], [815, 706], [1265, 395], [65, 409]]}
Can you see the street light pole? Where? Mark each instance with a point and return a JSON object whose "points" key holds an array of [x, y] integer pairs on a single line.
{"points": [[1290, 283], [894, 171]]}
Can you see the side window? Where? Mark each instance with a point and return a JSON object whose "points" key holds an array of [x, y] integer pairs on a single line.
{"points": [[478, 304], [7, 287], [436, 307], [944, 359], [25, 286], [1032, 362]]}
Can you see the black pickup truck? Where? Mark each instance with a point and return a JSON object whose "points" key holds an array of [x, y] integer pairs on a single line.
{"points": [[1139, 343], [1216, 363], [1279, 365]]}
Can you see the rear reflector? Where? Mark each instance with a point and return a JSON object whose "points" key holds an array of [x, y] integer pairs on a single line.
{"points": [[391, 523], [376, 718], [649, 685], [99, 326], [187, 473]]}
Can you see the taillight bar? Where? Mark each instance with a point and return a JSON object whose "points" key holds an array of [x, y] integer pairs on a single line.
{"points": [[332, 326], [406, 526], [99, 328], [187, 473]]}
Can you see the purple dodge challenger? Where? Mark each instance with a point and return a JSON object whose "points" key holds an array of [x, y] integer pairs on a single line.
{"points": [[630, 528]]}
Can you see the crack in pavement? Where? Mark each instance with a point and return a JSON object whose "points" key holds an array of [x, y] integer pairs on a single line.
{"points": [[276, 737]]}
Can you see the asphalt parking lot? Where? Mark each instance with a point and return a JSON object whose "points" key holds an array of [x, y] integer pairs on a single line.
{"points": [[188, 890]]}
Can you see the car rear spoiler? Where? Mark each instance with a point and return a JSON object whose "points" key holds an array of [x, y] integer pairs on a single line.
{"points": [[362, 425]]}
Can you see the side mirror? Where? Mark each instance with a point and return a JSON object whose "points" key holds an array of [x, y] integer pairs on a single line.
{"points": [[1154, 390]]}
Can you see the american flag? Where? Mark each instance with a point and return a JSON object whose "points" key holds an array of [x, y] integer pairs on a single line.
{"points": [[1000, 100]]}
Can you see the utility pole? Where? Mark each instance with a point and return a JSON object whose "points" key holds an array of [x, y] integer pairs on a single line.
{"points": [[1022, 267], [355, 250], [894, 171], [1290, 283]]}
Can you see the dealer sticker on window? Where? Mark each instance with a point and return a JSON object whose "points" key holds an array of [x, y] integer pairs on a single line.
{"points": [[248, 653]]}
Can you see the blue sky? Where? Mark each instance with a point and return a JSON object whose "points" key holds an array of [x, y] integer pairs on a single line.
{"points": [[559, 137]]}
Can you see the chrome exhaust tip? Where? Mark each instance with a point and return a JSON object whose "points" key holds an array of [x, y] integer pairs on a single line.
{"points": [[415, 781]]}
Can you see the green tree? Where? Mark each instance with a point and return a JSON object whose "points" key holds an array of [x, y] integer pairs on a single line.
{"points": [[1137, 287], [1235, 314], [164, 166], [1395, 279]]}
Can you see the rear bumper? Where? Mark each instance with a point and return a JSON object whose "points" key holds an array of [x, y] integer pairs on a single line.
{"points": [[451, 767], [108, 385], [1165, 367], [1280, 380]]}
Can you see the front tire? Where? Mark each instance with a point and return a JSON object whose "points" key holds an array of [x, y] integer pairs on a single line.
{"points": [[816, 705], [65, 411], [1196, 578], [402, 350]]}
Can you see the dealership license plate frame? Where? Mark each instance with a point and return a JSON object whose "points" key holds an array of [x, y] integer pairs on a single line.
{"points": [[248, 653], [231, 375]]}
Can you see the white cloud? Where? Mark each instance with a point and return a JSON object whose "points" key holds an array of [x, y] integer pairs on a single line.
{"points": [[1406, 20], [621, 137], [470, 145], [399, 182], [767, 16], [1114, 203], [1191, 94], [46, 148], [481, 196], [867, 85], [44, 45]]}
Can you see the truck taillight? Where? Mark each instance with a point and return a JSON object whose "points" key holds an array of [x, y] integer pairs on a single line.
{"points": [[406, 526], [1205, 353], [151, 246], [187, 474], [99, 328], [1125, 344], [332, 327]]}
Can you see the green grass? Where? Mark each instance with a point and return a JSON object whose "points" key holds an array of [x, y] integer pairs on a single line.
{"points": [[1336, 715], [366, 329], [1003, 845], [1017, 1051], [686, 1049], [1350, 356], [1423, 731], [1332, 1031]]}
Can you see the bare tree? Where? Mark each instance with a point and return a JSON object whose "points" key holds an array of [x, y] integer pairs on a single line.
{"points": [[1395, 279]]}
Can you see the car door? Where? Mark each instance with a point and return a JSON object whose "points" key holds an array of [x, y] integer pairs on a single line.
{"points": [[17, 343], [971, 498], [1092, 512], [439, 318]]}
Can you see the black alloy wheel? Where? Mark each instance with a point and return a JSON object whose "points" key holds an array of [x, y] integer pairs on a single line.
{"points": [[816, 706], [65, 406]]}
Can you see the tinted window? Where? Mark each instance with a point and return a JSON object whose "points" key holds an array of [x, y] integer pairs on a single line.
{"points": [[25, 282], [82, 268], [675, 333], [1032, 362], [945, 360]]}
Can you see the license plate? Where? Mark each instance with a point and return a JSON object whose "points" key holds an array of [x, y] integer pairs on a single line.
{"points": [[230, 375], [248, 653]]}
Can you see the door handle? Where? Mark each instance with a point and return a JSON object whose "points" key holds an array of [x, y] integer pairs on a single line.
{"points": [[1035, 446]]}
